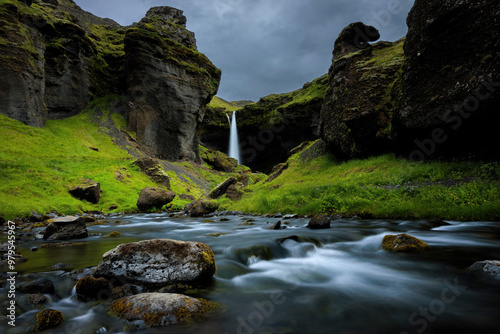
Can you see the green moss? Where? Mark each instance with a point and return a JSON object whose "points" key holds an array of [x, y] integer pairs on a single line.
{"points": [[114, 234], [48, 319], [403, 243]]}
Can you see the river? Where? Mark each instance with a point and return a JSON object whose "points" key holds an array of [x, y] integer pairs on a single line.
{"points": [[337, 280]]}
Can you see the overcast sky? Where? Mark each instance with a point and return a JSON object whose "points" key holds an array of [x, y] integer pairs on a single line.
{"points": [[266, 46]]}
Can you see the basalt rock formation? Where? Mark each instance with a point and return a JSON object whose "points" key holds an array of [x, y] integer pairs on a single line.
{"points": [[56, 58]]}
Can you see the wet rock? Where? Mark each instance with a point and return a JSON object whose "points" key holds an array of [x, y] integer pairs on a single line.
{"points": [[262, 252], [37, 299], [319, 222], [488, 269], [61, 265], [158, 309], [159, 262], [201, 207], [290, 216], [277, 226], [403, 243], [151, 198], [2, 221], [42, 285], [222, 188], [92, 289], [48, 319], [88, 190], [65, 228]]}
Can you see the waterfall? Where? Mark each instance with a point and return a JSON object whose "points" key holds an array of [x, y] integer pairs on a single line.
{"points": [[234, 142]]}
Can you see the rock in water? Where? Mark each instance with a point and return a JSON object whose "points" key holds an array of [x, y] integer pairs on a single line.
{"points": [[154, 198], [42, 285], [148, 310], [403, 243], [47, 319], [159, 262], [489, 269], [92, 289], [88, 190], [319, 222], [201, 207], [65, 228]]}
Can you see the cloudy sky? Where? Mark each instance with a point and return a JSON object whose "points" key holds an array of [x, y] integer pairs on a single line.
{"points": [[266, 46]]}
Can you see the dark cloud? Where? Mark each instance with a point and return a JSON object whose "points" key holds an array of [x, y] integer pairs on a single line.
{"points": [[267, 46]]}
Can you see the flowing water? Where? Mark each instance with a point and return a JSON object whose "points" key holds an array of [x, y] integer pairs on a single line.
{"points": [[234, 142], [321, 281]]}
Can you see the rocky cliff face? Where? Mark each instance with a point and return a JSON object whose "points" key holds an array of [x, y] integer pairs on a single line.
{"points": [[163, 112], [451, 80], [56, 58], [437, 97], [357, 113]]}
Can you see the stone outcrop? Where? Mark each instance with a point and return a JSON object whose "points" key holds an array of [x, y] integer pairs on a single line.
{"points": [[221, 189], [158, 263], [65, 228], [450, 87], [149, 310], [151, 198], [87, 190], [165, 112], [356, 118], [201, 207], [152, 168], [403, 243], [56, 58]]}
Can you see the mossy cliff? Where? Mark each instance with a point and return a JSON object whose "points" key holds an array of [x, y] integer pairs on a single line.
{"points": [[270, 128], [56, 58], [431, 95]]}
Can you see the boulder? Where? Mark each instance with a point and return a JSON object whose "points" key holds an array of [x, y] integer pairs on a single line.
{"points": [[88, 190], [450, 86], [48, 319], [148, 310], [38, 299], [152, 168], [201, 207], [159, 262], [319, 222], [93, 289], [488, 269], [150, 198], [42, 285], [234, 192], [403, 243], [220, 161], [65, 228], [221, 189], [354, 37]]}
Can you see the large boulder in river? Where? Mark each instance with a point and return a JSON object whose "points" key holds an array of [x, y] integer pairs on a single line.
{"points": [[65, 228], [148, 310], [151, 198], [201, 207], [319, 222], [403, 243], [159, 262], [450, 87]]}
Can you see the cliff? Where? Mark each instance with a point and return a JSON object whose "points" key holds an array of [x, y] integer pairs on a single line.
{"points": [[270, 128], [56, 58], [431, 95]]}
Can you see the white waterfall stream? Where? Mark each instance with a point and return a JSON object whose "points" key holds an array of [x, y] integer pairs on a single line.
{"points": [[234, 143]]}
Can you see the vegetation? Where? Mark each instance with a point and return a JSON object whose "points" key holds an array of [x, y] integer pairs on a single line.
{"points": [[378, 187]]}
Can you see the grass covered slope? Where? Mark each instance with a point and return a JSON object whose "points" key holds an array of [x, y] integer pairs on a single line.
{"points": [[39, 165], [379, 187]]}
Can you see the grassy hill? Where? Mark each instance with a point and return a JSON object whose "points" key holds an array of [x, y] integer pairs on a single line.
{"points": [[218, 102], [378, 187]]}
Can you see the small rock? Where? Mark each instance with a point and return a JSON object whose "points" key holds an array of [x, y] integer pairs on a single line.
{"points": [[277, 226], [92, 289], [36, 217], [151, 198], [489, 269], [403, 243], [61, 265], [65, 228], [42, 285], [149, 310], [37, 299], [290, 216], [319, 222], [48, 319]]}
